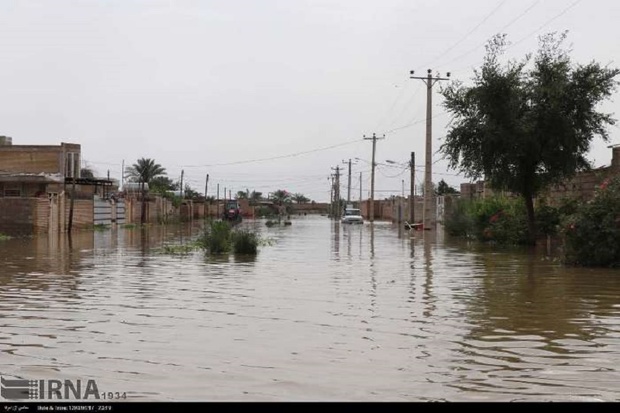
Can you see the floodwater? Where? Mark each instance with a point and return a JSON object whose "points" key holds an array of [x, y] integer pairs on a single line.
{"points": [[327, 313]]}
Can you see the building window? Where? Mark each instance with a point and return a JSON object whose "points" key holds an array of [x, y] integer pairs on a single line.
{"points": [[72, 165], [12, 190]]}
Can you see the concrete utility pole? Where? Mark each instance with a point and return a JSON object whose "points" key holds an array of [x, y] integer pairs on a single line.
{"points": [[349, 182], [123, 175], [428, 173], [182, 173], [331, 195], [337, 192], [360, 190], [371, 212], [412, 190], [207, 204]]}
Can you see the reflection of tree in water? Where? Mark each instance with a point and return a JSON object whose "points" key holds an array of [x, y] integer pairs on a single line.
{"points": [[520, 293]]}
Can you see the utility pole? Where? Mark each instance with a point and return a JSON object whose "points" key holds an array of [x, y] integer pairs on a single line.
{"points": [[123, 175], [182, 173], [349, 182], [331, 195], [428, 174], [412, 196], [207, 204], [360, 191], [217, 204], [337, 192], [372, 175]]}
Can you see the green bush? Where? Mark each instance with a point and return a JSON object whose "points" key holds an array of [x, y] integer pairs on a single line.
{"points": [[4, 237], [459, 222], [548, 219], [245, 242], [217, 237], [592, 234], [499, 219]]}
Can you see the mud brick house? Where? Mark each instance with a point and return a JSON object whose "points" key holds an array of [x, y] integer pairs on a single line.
{"points": [[35, 185]]}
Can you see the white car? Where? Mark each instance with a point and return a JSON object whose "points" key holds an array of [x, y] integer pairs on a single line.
{"points": [[352, 216]]}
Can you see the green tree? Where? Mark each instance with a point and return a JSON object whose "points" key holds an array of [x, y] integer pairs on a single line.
{"points": [[444, 189], [191, 193], [281, 197], [300, 198], [243, 194], [87, 173], [144, 171], [255, 197], [162, 184], [526, 126]]}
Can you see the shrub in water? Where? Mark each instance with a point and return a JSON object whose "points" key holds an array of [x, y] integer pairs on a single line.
{"points": [[216, 238], [592, 234], [245, 242]]}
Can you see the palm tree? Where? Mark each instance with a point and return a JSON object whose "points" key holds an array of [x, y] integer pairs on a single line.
{"points": [[281, 197], [300, 199], [255, 197], [144, 171]]}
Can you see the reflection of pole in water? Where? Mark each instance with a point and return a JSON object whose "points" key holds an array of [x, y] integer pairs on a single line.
{"points": [[372, 241], [428, 283], [336, 238], [373, 272], [348, 234]]}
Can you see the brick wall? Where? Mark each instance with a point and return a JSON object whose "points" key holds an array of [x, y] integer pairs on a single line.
{"points": [[17, 215], [35, 158], [83, 213]]}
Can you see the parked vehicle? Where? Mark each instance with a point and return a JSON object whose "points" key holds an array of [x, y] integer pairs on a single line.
{"points": [[352, 216], [232, 211]]}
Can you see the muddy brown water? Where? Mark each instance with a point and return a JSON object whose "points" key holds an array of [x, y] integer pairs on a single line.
{"points": [[328, 312]]}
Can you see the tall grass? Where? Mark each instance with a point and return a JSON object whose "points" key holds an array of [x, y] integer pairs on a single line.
{"points": [[245, 242], [217, 237]]}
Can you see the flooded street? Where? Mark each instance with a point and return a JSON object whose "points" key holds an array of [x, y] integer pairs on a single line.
{"points": [[328, 312]]}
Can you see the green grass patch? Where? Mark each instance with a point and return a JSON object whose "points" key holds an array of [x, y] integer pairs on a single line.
{"points": [[4, 237], [101, 227]]}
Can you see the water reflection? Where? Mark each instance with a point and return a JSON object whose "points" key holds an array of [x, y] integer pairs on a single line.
{"points": [[328, 312]]}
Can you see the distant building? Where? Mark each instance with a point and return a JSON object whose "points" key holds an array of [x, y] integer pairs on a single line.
{"points": [[582, 186]]}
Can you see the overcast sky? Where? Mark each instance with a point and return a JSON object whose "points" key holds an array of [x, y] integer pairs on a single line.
{"points": [[195, 84]]}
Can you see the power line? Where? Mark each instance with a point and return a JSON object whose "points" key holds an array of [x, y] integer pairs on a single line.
{"points": [[466, 35], [513, 21], [573, 4], [292, 155]]}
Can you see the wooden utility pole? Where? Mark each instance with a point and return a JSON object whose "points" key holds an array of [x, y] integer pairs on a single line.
{"points": [[372, 175], [412, 189], [428, 173]]}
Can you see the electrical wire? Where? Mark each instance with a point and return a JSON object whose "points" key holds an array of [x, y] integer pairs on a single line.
{"points": [[487, 17]]}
